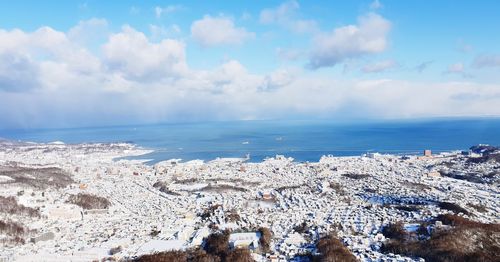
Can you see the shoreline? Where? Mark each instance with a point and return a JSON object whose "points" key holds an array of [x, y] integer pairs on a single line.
{"points": [[140, 153], [304, 141], [144, 151]]}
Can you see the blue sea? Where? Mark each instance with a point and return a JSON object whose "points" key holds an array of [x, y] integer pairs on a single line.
{"points": [[302, 140]]}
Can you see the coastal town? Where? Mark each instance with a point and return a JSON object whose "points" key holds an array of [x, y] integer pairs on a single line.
{"points": [[91, 202]]}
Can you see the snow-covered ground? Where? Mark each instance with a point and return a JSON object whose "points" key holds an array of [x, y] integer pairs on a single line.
{"points": [[172, 204]]}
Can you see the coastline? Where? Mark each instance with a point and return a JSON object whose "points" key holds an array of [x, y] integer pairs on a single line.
{"points": [[302, 140]]}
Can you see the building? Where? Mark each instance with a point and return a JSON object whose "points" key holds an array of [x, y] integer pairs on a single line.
{"points": [[427, 153], [471, 154], [432, 174], [372, 155], [244, 240], [199, 235], [267, 194], [43, 237]]}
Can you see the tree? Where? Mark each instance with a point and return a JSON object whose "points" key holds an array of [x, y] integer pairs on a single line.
{"points": [[265, 239], [217, 243], [330, 248]]}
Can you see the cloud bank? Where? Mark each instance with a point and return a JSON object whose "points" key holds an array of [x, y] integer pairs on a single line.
{"points": [[51, 78]]}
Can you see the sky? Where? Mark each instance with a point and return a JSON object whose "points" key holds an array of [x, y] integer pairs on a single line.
{"points": [[99, 63]]}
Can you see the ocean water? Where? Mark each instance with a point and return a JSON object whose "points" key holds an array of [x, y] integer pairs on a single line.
{"points": [[302, 140]]}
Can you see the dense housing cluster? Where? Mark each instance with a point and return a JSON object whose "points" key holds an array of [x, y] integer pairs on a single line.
{"points": [[87, 202]]}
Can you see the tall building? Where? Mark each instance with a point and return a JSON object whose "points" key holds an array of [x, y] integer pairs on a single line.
{"points": [[427, 152]]}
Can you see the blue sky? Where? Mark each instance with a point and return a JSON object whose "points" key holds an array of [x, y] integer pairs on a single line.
{"points": [[74, 63]]}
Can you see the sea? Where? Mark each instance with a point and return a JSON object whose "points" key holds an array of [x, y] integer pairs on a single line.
{"points": [[302, 140]]}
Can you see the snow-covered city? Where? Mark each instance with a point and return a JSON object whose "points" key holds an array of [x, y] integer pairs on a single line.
{"points": [[92, 202]]}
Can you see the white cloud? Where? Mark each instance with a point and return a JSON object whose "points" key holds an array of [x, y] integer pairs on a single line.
{"points": [[48, 80], [212, 31], [159, 11], [483, 61], [352, 41], [131, 53], [286, 16], [27, 56], [17, 72], [88, 31], [232, 78], [396, 99], [379, 66], [277, 79], [226, 73]]}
